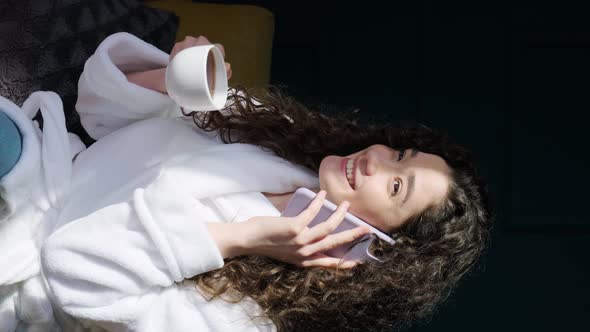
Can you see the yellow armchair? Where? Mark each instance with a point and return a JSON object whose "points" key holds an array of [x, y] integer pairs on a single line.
{"points": [[245, 31]]}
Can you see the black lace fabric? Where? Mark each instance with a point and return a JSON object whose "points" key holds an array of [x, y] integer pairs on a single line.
{"points": [[44, 43]]}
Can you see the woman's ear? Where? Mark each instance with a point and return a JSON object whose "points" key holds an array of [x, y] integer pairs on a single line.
{"points": [[11, 144]]}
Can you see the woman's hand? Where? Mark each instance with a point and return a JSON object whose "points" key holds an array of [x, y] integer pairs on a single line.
{"points": [[190, 41], [155, 79], [288, 239]]}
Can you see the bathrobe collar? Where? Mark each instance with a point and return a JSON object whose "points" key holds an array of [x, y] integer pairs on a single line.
{"points": [[233, 177]]}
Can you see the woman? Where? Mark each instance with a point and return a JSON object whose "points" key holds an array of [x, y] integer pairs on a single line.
{"points": [[145, 247]]}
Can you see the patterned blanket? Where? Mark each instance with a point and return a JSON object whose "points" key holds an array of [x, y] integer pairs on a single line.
{"points": [[44, 43]]}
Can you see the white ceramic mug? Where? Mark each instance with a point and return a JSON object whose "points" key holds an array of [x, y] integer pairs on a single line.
{"points": [[188, 82]]}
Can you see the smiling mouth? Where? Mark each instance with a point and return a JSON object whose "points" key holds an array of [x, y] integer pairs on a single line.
{"points": [[351, 181]]}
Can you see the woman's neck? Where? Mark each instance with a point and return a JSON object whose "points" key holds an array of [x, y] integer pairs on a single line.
{"points": [[279, 200]]}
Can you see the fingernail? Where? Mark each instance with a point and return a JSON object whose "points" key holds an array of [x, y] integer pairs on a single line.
{"points": [[345, 204]]}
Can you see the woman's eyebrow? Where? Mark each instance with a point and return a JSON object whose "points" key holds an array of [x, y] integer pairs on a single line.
{"points": [[410, 189], [411, 179]]}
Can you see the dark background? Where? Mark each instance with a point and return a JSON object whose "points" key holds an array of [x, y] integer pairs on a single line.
{"points": [[510, 80]]}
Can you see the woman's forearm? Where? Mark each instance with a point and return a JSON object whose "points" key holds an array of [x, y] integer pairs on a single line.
{"points": [[229, 237], [150, 79]]}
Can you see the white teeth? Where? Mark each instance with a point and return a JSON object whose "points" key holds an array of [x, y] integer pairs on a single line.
{"points": [[349, 166]]}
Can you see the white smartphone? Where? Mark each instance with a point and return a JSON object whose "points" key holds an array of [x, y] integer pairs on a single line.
{"points": [[357, 250]]}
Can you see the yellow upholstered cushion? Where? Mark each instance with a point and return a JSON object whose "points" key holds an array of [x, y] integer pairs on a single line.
{"points": [[245, 31]]}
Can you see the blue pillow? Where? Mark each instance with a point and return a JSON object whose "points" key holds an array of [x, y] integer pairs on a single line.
{"points": [[11, 144]]}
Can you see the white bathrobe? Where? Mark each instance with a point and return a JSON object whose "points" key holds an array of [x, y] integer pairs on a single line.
{"points": [[124, 224]]}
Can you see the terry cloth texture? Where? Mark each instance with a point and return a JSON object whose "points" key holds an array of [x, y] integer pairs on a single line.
{"points": [[44, 44]]}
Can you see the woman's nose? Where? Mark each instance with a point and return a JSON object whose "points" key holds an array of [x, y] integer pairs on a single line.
{"points": [[372, 162], [378, 160]]}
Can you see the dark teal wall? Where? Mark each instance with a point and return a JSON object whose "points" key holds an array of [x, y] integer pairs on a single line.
{"points": [[510, 80]]}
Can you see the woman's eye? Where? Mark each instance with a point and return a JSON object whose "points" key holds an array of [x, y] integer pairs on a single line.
{"points": [[401, 155], [396, 187], [397, 183]]}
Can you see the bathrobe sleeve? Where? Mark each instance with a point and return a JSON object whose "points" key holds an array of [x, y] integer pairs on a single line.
{"points": [[121, 263], [106, 100]]}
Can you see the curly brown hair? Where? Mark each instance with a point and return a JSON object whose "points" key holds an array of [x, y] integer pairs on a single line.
{"points": [[434, 249]]}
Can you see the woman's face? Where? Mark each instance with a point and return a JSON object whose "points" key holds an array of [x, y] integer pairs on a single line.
{"points": [[387, 186]]}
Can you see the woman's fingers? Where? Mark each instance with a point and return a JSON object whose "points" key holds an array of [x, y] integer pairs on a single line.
{"points": [[327, 261], [221, 48], [324, 229], [190, 41], [228, 70], [175, 50], [201, 40], [334, 240], [307, 215]]}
